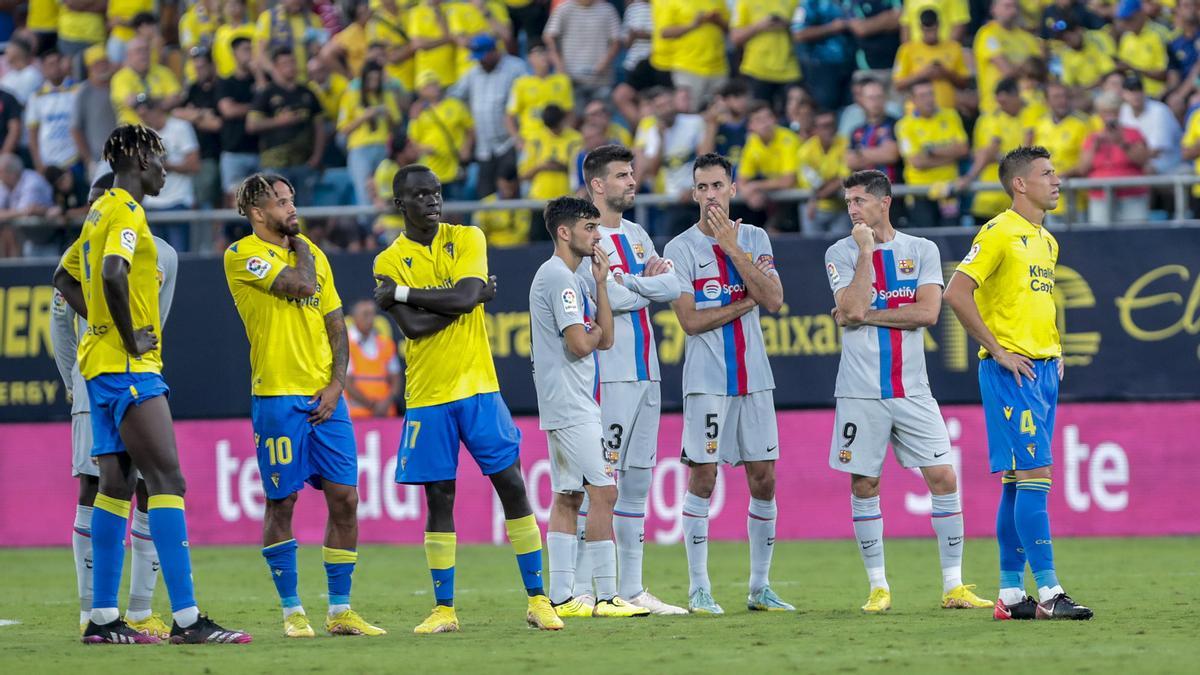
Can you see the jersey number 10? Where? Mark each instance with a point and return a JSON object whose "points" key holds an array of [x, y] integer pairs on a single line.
{"points": [[279, 450]]}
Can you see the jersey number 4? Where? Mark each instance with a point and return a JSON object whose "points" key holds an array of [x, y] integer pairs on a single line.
{"points": [[1027, 426]]}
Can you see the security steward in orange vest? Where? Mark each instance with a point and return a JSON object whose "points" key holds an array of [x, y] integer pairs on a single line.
{"points": [[373, 376]]}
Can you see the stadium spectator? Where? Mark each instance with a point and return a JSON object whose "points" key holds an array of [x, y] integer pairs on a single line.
{"points": [[760, 29], [698, 63], [69, 196], [930, 58], [1083, 61], [666, 145], [477, 18], [1115, 151], [873, 143], [1061, 13], [287, 118], [373, 374], [531, 93], [583, 38], [821, 166], [370, 110], [485, 90], [1157, 125], [799, 112], [93, 117], [390, 223], [505, 228], [826, 52], [932, 142], [141, 76], [22, 77], [119, 18], [80, 25], [23, 193], [1183, 51], [528, 19], [1141, 48], [42, 21], [875, 25], [346, 51], [548, 160], [1001, 46], [725, 120], [953, 18], [1062, 132], [198, 25], [48, 118], [768, 162], [328, 84], [291, 24], [200, 109], [235, 98], [386, 29], [181, 162], [637, 29], [1191, 153], [854, 115], [11, 122], [995, 135], [145, 26], [653, 70], [428, 28], [597, 112], [593, 135], [443, 132], [234, 25]]}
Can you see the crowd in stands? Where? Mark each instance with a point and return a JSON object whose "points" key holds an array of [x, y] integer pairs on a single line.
{"points": [[503, 98]]}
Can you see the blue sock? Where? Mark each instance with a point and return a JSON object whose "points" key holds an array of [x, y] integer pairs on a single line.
{"points": [[1033, 526], [440, 549], [109, 518], [1012, 556], [281, 560], [339, 570], [168, 529]]}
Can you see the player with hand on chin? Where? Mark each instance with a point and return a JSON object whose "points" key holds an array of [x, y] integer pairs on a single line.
{"points": [[283, 289], [887, 288], [566, 330], [1003, 294], [110, 276], [726, 271], [433, 280]]}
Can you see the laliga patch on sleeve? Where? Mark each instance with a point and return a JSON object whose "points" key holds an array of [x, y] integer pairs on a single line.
{"points": [[570, 301], [128, 239], [971, 255], [258, 267], [833, 273]]}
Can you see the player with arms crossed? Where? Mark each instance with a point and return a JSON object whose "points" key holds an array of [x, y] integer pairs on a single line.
{"points": [[887, 287], [726, 271], [110, 276], [566, 331], [283, 289], [630, 402], [65, 329], [1003, 294], [433, 280]]}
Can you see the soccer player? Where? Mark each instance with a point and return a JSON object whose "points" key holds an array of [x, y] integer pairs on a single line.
{"points": [[566, 332], [887, 289], [110, 276], [433, 281], [726, 271], [1002, 293], [630, 403], [284, 292], [65, 329]]}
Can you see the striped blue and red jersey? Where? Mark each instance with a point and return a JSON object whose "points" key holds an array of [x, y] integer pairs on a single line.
{"points": [[729, 360], [880, 362]]}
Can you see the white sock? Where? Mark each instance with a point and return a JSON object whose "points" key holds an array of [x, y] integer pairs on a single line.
{"points": [[695, 542], [103, 615], [760, 526], [947, 522], [1047, 592], [868, 530], [143, 570], [81, 547], [604, 567], [629, 519], [288, 611], [186, 617], [1011, 596], [335, 609], [561, 546], [583, 564]]}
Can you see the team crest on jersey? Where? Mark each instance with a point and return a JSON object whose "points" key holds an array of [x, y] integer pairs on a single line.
{"points": [[128, 239], [258, 267], [845, 456], [639, 251], [403, 463], [275, 479], [611, 456], [570, 301], [906, 266], [1032, 448], [449, 248], [710, 447]]}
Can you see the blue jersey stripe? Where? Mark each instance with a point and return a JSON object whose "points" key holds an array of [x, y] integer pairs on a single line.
{"points": [[731, 374]]}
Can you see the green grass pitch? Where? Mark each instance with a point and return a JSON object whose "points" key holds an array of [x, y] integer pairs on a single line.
{"points": [[1143, 592]]}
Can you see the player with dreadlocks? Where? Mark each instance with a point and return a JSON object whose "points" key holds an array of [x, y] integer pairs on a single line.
{"points": [[283, 289], [109, 276]]}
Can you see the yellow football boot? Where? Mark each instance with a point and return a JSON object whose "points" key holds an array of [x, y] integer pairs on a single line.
{"points": [[963, 597], [350, 623], [541, 614], [574, 608], [152, 625], [441, 620], [617, 608], [879, 602], [296, 625]]}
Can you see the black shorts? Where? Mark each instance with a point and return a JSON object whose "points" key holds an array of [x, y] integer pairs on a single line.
{"points": [[644, 76]]}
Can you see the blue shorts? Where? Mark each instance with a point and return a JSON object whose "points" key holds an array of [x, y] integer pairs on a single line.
{"points": [[432, 434], [292, 451], [111, 394], [1020, 420]]}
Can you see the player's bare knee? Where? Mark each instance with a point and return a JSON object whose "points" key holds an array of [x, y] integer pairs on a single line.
{"points": [[864, 487], [760, 478], [282, 507], [1040, 472], [941, 479], [702, 479], [602, 497]]}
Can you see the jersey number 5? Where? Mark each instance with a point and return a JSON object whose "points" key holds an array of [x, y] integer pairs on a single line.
{"points": [[711, 428], [279, 450]]}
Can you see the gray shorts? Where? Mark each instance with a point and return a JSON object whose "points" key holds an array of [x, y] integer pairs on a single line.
{"points": [[863, 427], [732, 429], [629, 414], [578, 457], [82, 462]]}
